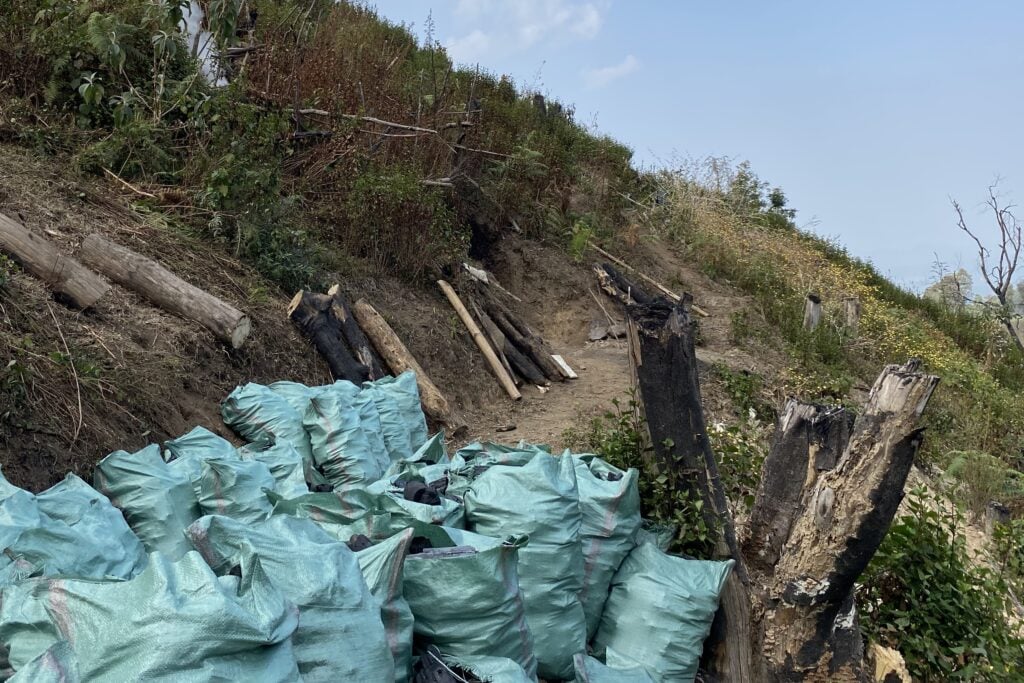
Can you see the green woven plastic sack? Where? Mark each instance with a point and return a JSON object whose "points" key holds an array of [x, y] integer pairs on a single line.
{"points": [[381, 565], [660, 611], [256, 413], [199, 443], [157, 500], [174, 621], [431, 454], [470, 604], [71, 529], [343, 448], [661, 535], [98, 529], [403, 424], [540, 499], [58, 664], [610, 511], [236, 488], [590, 670], [340, 636], [285, 465]]}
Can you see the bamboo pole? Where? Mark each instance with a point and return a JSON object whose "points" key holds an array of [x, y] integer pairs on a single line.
{"points": [[481, 341]]}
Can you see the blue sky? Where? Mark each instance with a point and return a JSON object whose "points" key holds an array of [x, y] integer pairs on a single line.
{"points": [[869, 115]]}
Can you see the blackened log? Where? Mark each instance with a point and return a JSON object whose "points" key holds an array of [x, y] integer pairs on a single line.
{"points": [[311, 313], [625, 285], [520, 364], [360, 346], [529, 346]]}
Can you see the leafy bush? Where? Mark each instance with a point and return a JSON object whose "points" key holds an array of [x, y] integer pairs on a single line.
{"points": [[741, 452], [922, 596], [620, 436]]}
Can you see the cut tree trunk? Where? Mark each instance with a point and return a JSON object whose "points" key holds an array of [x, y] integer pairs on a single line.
{"points": [[851, 315], [357, 341], [481, 341], [312, 314], [497, 340], [517, 360], [398, 358], [666, 366], [40, 257], [165, 289], [808, 440], [811, 630], [812, 312]]}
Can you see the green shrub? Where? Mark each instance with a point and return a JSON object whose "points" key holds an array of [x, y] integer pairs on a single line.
{"points": [[922, 595], [620, 436], [401, 225]]}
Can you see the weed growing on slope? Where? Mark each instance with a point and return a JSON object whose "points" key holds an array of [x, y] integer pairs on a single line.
{"points": [[922, 596]]}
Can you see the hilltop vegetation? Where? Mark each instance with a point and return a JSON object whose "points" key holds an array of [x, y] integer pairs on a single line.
{"points": [[341, 144]]}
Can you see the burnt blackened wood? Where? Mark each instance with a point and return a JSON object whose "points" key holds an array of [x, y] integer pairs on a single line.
{"points": [[811, 627], [627, 291], [808, 439], [519, 334], [360, 346], [311, 313]]}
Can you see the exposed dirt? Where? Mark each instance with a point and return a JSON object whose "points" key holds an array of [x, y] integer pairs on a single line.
{"points": [[144, 375]]}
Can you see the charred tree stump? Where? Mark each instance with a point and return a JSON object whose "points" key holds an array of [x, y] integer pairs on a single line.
{"points": [[811, 631], [666, 365], [311, 313], [165, 289], [42, 258], [360, 346], [809, 439]]}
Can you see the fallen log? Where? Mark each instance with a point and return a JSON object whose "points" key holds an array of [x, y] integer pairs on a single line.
{"points": [[398, 358], [519, 367], [360, 346], [521, 336], [811, 630], [485, 348], [165, 289], [312, 314], [40, 257]]}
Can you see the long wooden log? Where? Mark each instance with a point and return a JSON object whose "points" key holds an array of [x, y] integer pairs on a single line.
{"points": [[808, 440], [522, 365], [478, 337], [398, 358], [63, 274], [811, 630], [165, 289], [522, 337], [357, 341], [312, 314], [497, 340]]}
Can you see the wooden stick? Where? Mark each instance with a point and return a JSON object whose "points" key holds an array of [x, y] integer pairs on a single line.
{"points": [[42, 258], [662, 288], [165, 289], [564, 367], [398, 358], [519, 361], [604, 310], [481, 341]]}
